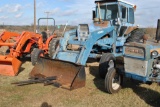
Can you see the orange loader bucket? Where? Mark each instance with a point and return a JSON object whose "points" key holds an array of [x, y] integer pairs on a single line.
{"points": [[9, 66], [68, 75]]}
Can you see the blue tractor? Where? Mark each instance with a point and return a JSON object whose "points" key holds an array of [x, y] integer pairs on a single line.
{"points": [[113, 25]]}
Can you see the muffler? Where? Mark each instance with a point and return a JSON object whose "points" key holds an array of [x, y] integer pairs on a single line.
{"points": [[68, 75]]}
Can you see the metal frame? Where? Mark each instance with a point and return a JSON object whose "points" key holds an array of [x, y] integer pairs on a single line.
{"points": [[38, 28]]}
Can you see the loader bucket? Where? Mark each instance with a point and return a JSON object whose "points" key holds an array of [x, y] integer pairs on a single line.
{"points": [[69, 75], [9, 66]]}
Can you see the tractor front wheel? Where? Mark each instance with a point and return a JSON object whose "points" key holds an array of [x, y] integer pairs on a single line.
{"points": [[36, 53], [107, 62], [113, 81]]}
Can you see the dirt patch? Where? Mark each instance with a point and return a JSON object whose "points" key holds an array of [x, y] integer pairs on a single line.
{"points": [[2, 30]]}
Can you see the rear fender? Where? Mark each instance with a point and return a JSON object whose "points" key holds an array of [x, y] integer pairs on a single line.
{"points": [[48, 41]]}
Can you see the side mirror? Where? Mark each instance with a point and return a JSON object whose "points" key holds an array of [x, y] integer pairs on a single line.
{"points": [[94, 14]]}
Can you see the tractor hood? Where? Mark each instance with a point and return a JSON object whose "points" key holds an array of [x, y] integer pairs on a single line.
{"points": [[141, 50], [150, 44]]}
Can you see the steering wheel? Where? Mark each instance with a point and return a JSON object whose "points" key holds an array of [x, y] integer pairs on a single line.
{"points": [[109, 19], [108, 16]]}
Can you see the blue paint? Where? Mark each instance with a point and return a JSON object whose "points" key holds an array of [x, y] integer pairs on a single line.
{"points": [[136, 77]]}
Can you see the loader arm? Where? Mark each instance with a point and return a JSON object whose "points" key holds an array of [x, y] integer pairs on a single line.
{"points": [[86, 50], [21, 42], [6, 35], [80, 57]]}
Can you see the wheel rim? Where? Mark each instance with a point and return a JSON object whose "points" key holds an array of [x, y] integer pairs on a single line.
{"points": [[111, 64], [116, 81]]}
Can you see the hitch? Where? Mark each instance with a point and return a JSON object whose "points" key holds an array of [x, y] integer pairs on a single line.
{"points": [[46, 81]]}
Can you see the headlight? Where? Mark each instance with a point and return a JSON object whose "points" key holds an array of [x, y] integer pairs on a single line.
{"points": [[154, 54]]}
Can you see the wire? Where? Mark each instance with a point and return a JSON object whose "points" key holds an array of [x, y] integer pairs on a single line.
{"points": [[148, 8]]}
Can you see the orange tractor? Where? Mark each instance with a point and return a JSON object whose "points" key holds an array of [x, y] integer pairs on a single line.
{"points": [[20, 45]]}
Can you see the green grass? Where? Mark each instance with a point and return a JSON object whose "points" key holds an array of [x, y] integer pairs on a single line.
{"points": [[92, 95]]}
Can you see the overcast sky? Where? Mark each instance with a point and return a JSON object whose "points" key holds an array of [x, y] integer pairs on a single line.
{"points": [[20, 12]]}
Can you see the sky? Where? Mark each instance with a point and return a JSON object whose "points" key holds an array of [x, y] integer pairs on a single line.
{"points": [[20, 12]]}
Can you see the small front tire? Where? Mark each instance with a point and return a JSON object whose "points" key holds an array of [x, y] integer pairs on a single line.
{"points": [[113, 81], [107, 62], [36, 53]]}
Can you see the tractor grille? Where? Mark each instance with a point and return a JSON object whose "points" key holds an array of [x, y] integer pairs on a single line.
{"points": [[135, 66], [134, 51]]}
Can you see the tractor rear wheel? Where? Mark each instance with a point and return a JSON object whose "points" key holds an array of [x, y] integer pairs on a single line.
{"points": [[107, 62], [113, 81], [52, 47], [136, 35], [35, 55]]}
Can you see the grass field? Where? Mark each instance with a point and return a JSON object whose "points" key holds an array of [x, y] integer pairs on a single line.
{"points": [[92, 95]]}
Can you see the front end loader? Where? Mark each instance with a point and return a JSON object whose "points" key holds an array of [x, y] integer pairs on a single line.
{"points": [[20, 45], [104, 38]]}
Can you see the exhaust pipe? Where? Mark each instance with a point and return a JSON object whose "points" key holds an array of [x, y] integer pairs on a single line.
{"points": [[158, 31]]}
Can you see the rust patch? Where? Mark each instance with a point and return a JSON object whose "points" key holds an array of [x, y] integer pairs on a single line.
{"points": [[130, 29], [102, 24]]}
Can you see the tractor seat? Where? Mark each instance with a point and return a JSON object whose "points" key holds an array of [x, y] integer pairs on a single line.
{"points": [[44, 36]]}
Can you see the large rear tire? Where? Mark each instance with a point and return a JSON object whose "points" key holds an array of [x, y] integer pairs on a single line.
{"points": [[136, 35], [53, 46], [107, 62], [35, 55], [113, 81]]}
